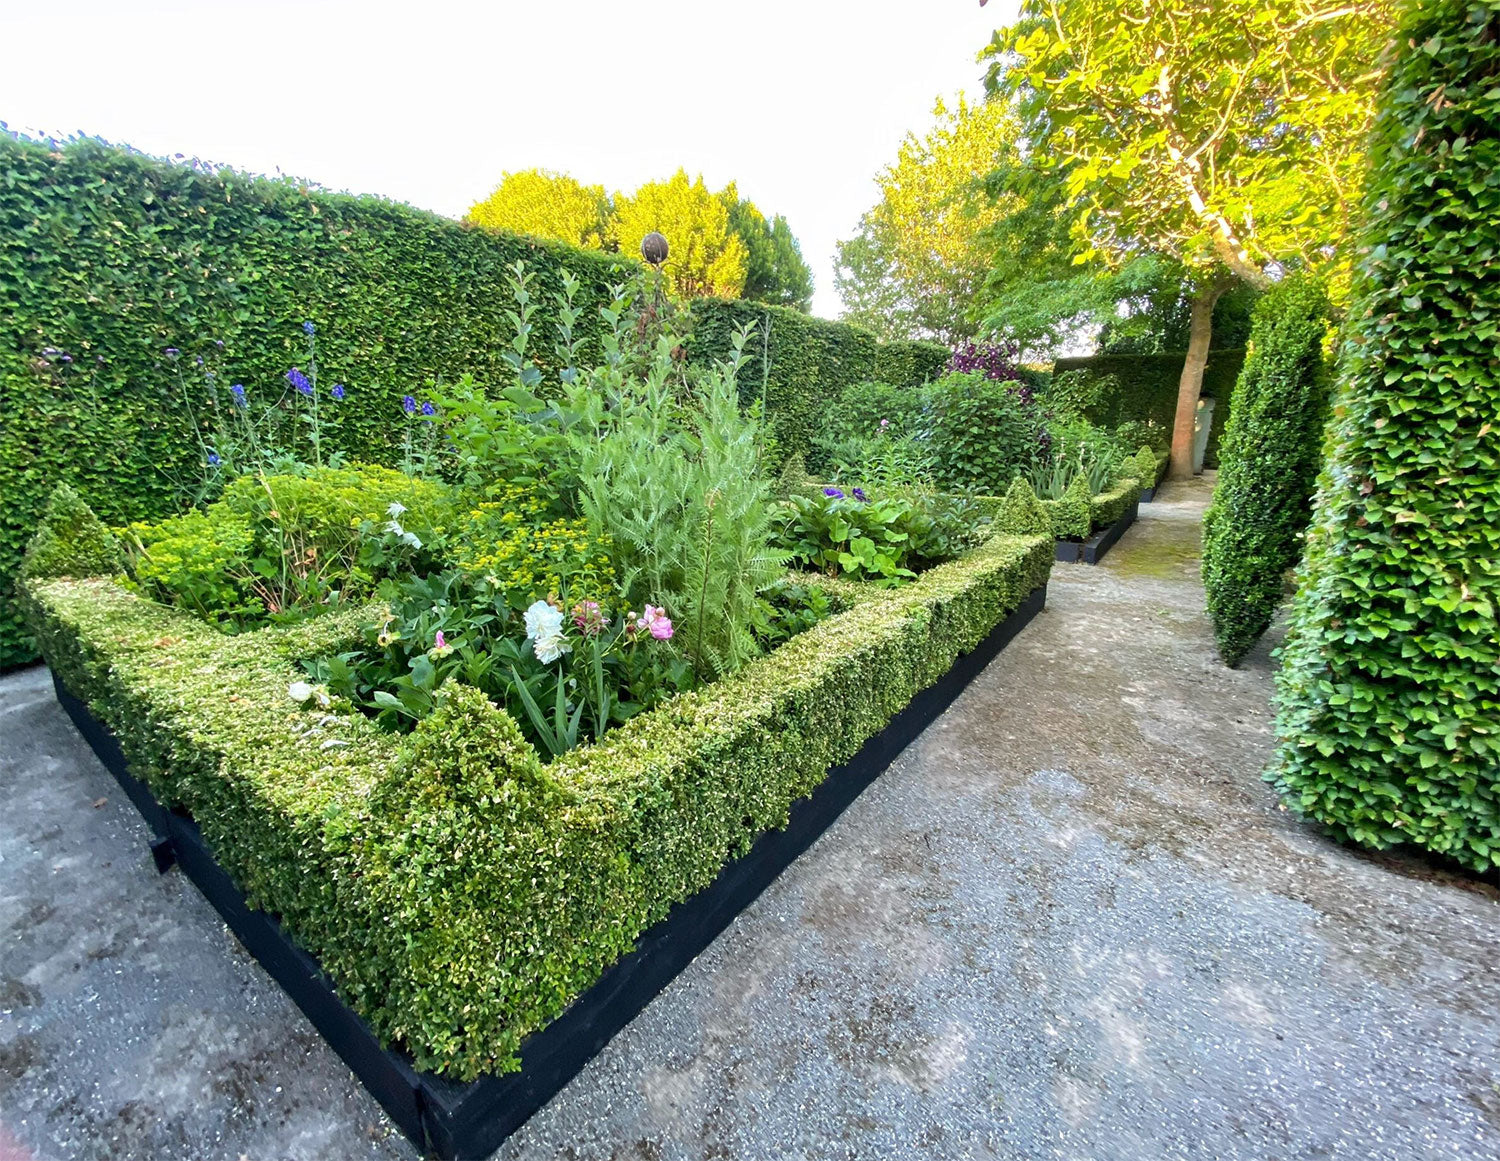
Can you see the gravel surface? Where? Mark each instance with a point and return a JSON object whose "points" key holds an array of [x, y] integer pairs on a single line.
{"points": [[1069, 922]]}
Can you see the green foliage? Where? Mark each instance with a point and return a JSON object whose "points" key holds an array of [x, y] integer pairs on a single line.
{"points": [[1146, 391], [70, 541], [1072, 518], [1144, 467], [459, 897], [512, 544], [1389, 690], [797, 364], [542, 204], [115, 257], [1021, 513], [872, 409], [775, 271], [707, 256], [677, 487], [274, 544], [984, 434], [1252, 532], [843, 536], [1109, 505], [920, 254]]}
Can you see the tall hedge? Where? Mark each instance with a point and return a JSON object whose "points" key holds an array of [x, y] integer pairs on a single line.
{"points": [[811, 361], [1147, 389], [1389, 692], [1268, 466], [111, 258]]}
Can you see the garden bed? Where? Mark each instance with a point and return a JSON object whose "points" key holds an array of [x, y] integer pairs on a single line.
{"points": [[492, 920], [1092, 550]]}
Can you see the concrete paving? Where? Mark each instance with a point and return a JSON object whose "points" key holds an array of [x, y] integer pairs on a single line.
{"points": [[1070, 922]]}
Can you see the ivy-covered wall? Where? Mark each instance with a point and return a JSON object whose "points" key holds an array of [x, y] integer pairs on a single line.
{"points": [[110, 259], [1148, 388], [1389, 689]]}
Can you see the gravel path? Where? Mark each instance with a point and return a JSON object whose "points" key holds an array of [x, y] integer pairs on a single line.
{"points": [[1070, 922]]}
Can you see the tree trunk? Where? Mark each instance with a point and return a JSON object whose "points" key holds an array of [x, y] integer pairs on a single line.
{"points": [[1190, 386]]}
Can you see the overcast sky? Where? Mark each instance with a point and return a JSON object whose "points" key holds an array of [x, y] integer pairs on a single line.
{"points": [[800, 101]]}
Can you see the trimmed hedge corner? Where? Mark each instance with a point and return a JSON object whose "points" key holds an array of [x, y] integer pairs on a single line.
{"points": [[1389, 690], [460, 893]]}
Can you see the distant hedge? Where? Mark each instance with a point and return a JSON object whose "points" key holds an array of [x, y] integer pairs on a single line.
{"points": [[811, 361], [110, 258], [1148, 388], [1252, 532], [1389, 692]]}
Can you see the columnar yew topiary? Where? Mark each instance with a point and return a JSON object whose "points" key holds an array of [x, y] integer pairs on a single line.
{"points": [[1252, 532], [1390, 686]]}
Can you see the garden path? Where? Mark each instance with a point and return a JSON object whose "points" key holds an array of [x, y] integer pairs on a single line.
{"points": [[1069, 922]]}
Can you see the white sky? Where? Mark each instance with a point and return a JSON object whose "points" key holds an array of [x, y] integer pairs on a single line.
{"points": [[800, 101]]}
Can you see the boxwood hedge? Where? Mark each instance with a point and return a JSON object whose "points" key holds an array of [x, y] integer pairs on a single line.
{"points": [[459, 893], [1389, 689]]}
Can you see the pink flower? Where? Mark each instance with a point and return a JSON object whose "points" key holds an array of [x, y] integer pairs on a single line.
{"points": [[441, 642], [655, 622], [589, 618], [885, 423], [440, 647]]}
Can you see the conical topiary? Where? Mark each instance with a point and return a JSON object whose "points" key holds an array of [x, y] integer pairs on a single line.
{"points": [[1071, 517], [1021, 513], [70, 541]]}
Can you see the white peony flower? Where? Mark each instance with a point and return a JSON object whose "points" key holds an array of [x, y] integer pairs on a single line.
{"points": [[550, 646], [542, 620], [395, 508], [299, 691]]}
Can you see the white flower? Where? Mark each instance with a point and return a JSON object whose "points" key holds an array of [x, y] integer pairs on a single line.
{"points": [[411, 540], [542, 620], [395, 508], [299, 691], [550, 646]]}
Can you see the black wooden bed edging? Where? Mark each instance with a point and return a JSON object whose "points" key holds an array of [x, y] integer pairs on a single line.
{"points": [[469, 1121], [1092, 550]]}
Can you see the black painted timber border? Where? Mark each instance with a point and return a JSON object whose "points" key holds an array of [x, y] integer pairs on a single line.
{"points": [[1092, 550], [469, 1121]]}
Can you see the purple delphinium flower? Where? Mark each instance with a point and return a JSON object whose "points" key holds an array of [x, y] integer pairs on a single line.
{"points": [[199, 360], [429, 410], [859, 494], [67, 359], [408, 405], [338, 391], [219, 343], [308, 328], [298, 380], [833, 493], [213, 459], [238, 391], [171, 352]]}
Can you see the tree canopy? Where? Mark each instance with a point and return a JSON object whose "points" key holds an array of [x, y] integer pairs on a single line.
{"points": [[546, 205], [1223, 135], [775, 271], [919, 256]]}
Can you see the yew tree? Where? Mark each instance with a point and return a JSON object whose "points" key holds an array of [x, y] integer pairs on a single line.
{"points": [[1227, 135]]}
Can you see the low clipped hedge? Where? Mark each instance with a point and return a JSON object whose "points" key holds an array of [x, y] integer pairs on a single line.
{"points": [[1069, 518], [1389, 690], [459, 893]]}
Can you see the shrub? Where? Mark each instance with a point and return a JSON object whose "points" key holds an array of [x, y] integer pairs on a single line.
{"points": [[1072, 518], [1145, 466], [1389, 689], [511, 544], [984, 433], [870, 409], [70, 541], [1021, 513], [1252, 532]]}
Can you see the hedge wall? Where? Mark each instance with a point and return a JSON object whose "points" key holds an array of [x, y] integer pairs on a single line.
{"points": [[349, 834], [811, 361], [112, 257], [1252, 532], [1389, 690], [1148, 389]]}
